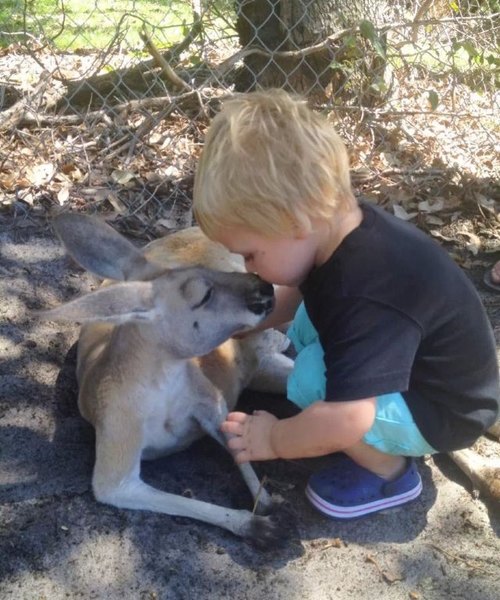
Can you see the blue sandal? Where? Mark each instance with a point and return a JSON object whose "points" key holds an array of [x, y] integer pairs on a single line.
{"points": [[347, 490]]}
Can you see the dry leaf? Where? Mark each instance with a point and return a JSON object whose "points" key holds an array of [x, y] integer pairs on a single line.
{"points": [[425, 206], [437, 234], [433, 220], [487, 203], [26, 196], [401, 213], [63, 195], [76, 174], [122, 177], [7, 200], [8, 181], [40, 174], [155, 138], [474, 244], [68, 167], [172, 171], [117, 204]]}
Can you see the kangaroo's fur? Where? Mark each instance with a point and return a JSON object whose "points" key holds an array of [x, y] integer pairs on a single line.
{"points": [[157, 366]]}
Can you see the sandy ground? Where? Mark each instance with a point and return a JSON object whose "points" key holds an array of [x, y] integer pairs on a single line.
{"points": [[57, 542]]}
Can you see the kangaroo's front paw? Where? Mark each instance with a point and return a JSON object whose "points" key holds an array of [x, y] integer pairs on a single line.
{"points": [[264, 503], [265, 533]]}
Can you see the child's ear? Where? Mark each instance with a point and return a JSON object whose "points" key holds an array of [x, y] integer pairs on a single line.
{"points": [[301, 232]]}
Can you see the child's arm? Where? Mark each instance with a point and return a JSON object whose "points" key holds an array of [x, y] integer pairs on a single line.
{"points": [[322, 428], [286, 304]]}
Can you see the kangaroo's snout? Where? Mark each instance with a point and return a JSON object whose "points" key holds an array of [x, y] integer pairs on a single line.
{"points": [[261, 301]]}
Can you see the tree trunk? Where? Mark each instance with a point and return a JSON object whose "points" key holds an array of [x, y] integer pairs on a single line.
{"points": [[277, 25]]}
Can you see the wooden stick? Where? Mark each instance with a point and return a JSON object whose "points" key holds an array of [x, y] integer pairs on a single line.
{"points": [[484, 472]]}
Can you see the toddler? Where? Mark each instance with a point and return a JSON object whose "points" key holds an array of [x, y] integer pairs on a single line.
{"points": [[395, 355]]}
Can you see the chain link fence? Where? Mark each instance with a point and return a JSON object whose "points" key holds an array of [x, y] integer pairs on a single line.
{"points": [[103, 106]]}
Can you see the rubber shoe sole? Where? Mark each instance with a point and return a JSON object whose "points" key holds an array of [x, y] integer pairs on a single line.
{"points": [[341, 512], [353, 485]]}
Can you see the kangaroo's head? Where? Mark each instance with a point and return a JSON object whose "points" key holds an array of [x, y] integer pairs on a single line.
{"points": [[191, 309]]}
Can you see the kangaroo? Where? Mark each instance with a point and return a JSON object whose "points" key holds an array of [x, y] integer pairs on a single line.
{"points": [[157, 367]]}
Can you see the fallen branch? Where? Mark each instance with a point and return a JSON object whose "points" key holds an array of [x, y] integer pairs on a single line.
{"points": [[483, 472], [470, 563], [11, 117], [82, 89], [162, 63], [183, 101]]}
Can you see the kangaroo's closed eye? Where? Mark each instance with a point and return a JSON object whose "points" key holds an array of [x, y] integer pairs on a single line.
{"points": [[205, 299]]}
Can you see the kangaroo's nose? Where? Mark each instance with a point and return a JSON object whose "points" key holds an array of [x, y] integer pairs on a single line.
{"points": [[266, 289], [262, 299]]}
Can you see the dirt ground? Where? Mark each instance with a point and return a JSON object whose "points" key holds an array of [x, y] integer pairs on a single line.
{"points": [[57, 542]]}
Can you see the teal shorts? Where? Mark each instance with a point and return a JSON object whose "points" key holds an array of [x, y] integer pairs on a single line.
{"points": [[393, 431]]}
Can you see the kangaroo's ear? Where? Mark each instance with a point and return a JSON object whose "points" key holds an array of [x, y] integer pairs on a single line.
{"points": [[118, 303], [101, 250]]}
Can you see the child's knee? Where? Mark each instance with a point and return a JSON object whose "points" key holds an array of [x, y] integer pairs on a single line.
{"points": [[394, 430], [307, 383]]}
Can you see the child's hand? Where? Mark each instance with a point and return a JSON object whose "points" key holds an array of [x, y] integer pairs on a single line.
{"points": [[252, 435]]}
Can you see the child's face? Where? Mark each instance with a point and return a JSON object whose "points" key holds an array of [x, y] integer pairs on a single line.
{"points": [[283, 260]]}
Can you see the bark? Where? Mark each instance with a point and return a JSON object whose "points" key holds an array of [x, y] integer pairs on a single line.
{"points": [[284, 25]]}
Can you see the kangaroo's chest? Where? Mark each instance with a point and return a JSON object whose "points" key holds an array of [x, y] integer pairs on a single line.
{"points": [[170, 421], [167, 397]]}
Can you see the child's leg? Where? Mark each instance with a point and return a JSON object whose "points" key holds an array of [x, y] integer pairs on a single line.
{"points": [[386, 466], [376, 473], [347, 490]]}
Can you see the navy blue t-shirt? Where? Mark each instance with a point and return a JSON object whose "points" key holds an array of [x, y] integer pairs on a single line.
{"points": [[394, 313]]}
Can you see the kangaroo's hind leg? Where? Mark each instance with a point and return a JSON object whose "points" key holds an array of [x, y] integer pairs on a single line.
{"points": [[272, 374], [117, 482]]}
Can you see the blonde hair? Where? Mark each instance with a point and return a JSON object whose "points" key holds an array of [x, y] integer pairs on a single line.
{"points": [[272, 165]]}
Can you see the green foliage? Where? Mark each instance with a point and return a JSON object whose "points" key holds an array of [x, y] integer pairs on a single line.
{"points": [[468, 60], [474, 60], [72, 24], [368, 31], [475, 55], [10, 15]]}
